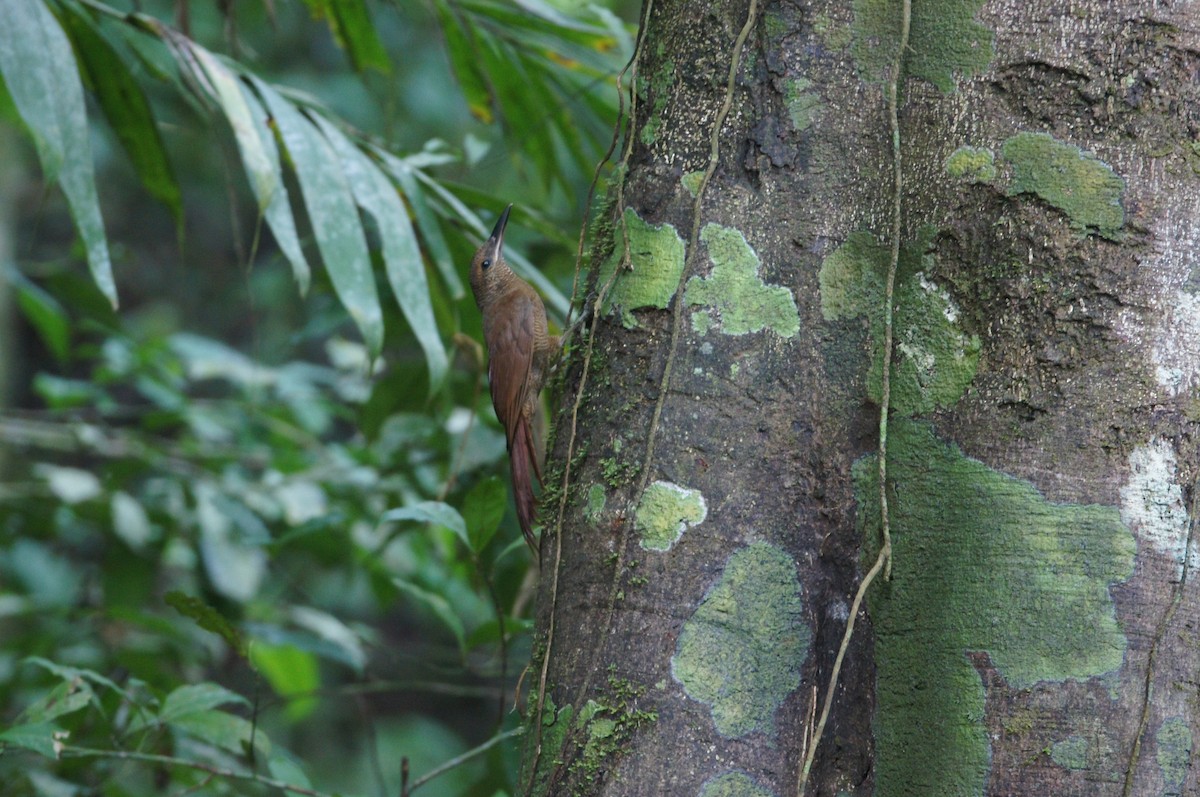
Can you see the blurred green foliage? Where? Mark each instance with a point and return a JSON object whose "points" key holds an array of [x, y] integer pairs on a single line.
{"points": [[255, 525]]}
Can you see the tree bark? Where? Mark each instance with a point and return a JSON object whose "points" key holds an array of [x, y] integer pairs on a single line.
{"points": [[712, 501]]}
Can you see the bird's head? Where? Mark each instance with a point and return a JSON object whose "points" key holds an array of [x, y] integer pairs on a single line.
{"points": [[488, 266]]}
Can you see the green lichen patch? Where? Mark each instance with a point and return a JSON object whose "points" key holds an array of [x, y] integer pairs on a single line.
{"points": [[660, 87], [1079, 184], [836, 35], [972, 164], [733, 784], [741, 651], [802, 104], [944, 40], [1070, 753], [595, 503], [1174, 742], [555, 725], [935, 360], [665, 512], [691, 182], [590, 742], [982, 563], [656, 255], [735, 293]]}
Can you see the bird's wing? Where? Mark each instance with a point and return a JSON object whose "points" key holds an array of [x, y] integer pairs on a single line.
{"points": [[510, 339], [510, 359]]}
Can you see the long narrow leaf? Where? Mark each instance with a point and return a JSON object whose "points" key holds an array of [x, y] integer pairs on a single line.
{"points": [[462, 46], [333, 215], [264, 180], [357, 32], [125, 106], [427, 223], [279, 210], [41, 74], [401, 255]]}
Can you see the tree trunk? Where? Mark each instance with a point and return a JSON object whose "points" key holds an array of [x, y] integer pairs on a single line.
{"points": [[718, 436]]}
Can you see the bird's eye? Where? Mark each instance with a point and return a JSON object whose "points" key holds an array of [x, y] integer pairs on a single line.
{"points": [[486, 262]]}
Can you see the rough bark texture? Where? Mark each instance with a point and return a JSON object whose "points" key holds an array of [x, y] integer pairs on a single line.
{"points": [[1038, 634]]}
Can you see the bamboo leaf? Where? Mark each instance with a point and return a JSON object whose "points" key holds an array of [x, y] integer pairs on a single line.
{"points": [[402, 260], [279, 210], [125, 106], [427, 223], [41, 74], [333, 215], [357, 34], [226, 88], [44, 314], [462, 45]]}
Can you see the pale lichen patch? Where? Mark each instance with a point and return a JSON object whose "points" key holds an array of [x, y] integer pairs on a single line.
{"points": [[1152, 501], [734, 294], [741, 651], [665, 512], [656, 256], [1075, 182], [1070, 753], [1176, 343], [972, 164], [1174, 754], [733, 784]]}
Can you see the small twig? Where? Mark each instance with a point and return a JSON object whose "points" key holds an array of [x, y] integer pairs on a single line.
{"points": [[70, 751], [462, 759]]}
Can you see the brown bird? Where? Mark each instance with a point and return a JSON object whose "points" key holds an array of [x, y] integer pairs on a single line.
{"points": [[521, 353]]}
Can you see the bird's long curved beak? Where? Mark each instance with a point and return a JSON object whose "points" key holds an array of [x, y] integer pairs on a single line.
{"points": [[495, 241]]}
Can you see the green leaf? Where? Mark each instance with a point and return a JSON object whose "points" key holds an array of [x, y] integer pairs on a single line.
{"points": [[234, 562], [68, 673], [67, 697], [196, 698], [440, 607], [44, 314], [357, 33], [226, 731], [483, 509], [125, 106], [333, 215], [461, 47], [427, 223], [402, 260], [41, 74], [207, 618], [290, 671], [279, 210], [283, 767], [436, 512], [41, 737], [226, 90], [333, 631]]}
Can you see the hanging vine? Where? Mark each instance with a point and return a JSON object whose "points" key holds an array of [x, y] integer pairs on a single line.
{"points": [[883, 562]]}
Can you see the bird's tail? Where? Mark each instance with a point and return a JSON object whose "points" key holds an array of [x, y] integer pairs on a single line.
{"points": [[523, 459]]}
